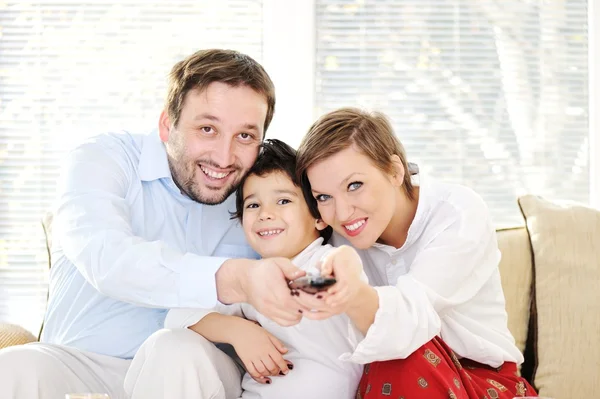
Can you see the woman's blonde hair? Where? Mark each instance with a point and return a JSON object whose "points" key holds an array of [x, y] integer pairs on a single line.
{"points": [[370, 132]]}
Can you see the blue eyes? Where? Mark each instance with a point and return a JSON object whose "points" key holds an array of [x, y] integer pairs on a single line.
{"points": [[351, 187], [322, 197], [354, 186]]}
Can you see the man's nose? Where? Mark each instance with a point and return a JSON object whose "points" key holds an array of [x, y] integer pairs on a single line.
{"points": [[223, 153]]}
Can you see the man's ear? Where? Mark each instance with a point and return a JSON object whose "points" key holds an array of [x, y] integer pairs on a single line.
{"points": [[164, 126], [397, 170], [320, 224]]}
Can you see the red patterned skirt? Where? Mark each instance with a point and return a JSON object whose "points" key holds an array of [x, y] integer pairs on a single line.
{"points": [[434, 372]]}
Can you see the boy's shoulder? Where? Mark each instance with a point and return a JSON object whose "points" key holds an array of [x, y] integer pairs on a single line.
{"points": [[311, 255]]}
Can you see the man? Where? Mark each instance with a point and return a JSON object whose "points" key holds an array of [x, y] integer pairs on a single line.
{"points": [[142, 224]]}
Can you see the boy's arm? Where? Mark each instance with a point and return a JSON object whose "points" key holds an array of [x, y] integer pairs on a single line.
{"points": [[217, 327], [253, 344], [186, 318]]}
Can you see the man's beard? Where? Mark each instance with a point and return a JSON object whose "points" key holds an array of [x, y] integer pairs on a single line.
{"points": [[192, 189]]}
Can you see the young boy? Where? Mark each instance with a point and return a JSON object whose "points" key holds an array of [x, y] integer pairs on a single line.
{"points": [[278, 222]]}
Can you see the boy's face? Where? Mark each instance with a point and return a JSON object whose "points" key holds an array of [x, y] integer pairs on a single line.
{"points": [[276, 219]]}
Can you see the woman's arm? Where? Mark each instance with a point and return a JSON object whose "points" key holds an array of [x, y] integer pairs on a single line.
{"points": [[363, 308], [450, 269]]}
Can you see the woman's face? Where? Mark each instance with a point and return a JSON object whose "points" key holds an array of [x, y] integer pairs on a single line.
{"points": [[355, 197]]}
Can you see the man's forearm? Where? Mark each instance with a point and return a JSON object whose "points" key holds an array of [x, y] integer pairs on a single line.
{"points": [[217, 327], [230, 281]]}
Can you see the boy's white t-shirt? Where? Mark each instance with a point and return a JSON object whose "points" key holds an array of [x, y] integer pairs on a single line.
{"points": [[315, 346]]}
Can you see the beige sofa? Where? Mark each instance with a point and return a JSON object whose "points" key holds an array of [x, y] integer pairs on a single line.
{"points": [[551, 277]]}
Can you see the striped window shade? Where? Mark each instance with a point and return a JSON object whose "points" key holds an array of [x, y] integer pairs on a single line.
{"points": [[69, 70], [492, 94]]}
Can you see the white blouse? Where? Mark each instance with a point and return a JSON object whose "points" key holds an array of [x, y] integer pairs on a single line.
{"points": [[444, 281]]}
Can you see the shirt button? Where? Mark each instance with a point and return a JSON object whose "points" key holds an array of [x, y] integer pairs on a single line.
{"points": [[393, 261]]}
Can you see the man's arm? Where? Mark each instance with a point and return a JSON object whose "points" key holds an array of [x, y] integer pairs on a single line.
{"points": [[262, 284], [93, 226]]}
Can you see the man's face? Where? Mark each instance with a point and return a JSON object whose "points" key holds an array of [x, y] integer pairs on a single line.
{"points": [[215, 141]]}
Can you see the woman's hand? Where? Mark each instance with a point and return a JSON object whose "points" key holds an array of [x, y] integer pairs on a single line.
{"points": [[261, 353], [345, 265]]}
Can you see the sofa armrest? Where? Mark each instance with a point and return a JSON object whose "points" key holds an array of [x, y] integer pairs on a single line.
{"points": [[12, 334]]}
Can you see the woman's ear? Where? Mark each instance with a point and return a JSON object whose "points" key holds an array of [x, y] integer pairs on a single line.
{"points": [[397, 170], [320, 224], [164, 126]]}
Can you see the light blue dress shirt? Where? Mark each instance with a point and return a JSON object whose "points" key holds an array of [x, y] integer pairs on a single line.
{"points": [[128, 245]]}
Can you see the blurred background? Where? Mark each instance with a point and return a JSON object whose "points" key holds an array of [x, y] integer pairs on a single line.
{"points": [[491, 94]]}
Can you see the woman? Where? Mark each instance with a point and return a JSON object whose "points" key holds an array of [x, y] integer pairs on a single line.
{"points": [[435, 324]]}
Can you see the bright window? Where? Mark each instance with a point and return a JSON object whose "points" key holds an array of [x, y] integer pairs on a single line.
{"points": [[491, 94]]}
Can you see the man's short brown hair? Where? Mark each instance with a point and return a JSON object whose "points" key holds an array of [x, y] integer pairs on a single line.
{"points": [[226, 66]]}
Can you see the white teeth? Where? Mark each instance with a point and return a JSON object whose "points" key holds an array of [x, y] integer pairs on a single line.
{"points": [[269, 232], [355, 226], [213, 174]]}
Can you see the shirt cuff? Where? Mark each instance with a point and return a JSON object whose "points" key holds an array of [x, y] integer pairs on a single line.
{"points": [[368, 349], [198, 288], [404, 321]]}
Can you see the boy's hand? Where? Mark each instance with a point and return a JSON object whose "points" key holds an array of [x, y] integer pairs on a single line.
{"points": [[260, 352]]}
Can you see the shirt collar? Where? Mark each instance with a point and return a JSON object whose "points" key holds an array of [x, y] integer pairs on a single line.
{"points": [[153, 163], [304, 256]]}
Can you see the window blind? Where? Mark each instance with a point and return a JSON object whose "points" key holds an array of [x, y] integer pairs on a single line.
{"points": [[491, 94], [71, 69]]}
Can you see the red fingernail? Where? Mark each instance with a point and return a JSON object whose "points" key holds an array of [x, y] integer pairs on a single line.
{"points": [[319, 296], [268, 381], [299, 310]]}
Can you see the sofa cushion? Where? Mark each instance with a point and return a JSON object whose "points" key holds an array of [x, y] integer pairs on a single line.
{"points": [[516, 273], [565, 241]]}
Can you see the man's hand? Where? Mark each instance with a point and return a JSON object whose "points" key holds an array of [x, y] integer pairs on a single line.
{"points": [[264, 285], [261, 353]]}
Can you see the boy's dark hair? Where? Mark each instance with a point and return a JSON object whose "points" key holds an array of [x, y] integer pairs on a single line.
{"points": [[277, 156]]}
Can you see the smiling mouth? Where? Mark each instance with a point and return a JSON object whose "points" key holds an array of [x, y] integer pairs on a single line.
{"points": [[214, 175], [269, 233], [355, 226]]}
